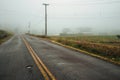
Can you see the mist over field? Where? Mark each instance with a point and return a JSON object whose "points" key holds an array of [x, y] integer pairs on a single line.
{"points": [[71, 16]]}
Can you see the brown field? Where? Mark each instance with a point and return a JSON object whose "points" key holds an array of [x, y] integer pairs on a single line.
{"points": [[107, 46]]}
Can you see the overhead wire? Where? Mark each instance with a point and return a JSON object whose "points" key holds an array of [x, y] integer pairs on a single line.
{"points": [[88, 3]]}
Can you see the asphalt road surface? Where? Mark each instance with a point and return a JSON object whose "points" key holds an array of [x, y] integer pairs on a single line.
{"points": [[15, 61], [17, 64]]}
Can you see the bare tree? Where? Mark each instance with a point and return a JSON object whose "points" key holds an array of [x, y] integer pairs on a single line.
{"points": [[84, 29], [66, 30]]}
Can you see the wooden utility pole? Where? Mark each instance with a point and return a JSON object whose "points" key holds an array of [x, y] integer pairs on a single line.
{"points": [[45, 18], [29, 24]]}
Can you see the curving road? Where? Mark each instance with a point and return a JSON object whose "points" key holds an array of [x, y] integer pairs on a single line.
{"points": [[17, 64]]}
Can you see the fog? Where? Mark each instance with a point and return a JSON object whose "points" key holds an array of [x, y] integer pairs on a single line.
{"points": [[86, 16]]}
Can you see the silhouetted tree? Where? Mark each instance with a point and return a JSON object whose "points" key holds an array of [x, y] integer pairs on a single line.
{"points": [[118, 36]]}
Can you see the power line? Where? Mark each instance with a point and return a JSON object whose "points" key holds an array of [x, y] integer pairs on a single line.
{"points": [[103, 2], [91, 3]]}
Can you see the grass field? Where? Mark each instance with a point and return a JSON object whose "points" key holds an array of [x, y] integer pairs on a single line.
{"points": [[107, 40], [106, 46]]}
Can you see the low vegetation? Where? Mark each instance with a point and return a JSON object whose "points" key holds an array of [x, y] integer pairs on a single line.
{"points": [[118, 36], [107, 46], [4, 36]]}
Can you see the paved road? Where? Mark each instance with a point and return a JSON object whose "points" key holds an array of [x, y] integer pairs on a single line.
{"points": [[15, 61], [64, 64]]}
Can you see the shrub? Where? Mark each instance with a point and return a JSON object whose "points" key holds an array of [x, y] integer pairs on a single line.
{"points": [[118, 36]]}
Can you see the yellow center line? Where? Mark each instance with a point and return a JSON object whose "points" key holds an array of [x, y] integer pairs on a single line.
{"points": [[44, 70]]}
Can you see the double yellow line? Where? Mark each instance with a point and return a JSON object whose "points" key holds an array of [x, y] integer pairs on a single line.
{"points": [[43, 69]]}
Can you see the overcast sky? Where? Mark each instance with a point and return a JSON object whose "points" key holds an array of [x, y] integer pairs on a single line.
{"points": [[99, 15]]}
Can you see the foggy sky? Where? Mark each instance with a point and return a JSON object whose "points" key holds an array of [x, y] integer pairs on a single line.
{"points": [[98, 15]]}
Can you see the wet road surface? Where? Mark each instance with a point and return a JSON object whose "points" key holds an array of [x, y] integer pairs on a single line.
{"points": [[16, 63], [63, 63]]}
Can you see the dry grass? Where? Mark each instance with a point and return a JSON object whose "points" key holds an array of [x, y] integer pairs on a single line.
{"points": [[107, 46], [4, 36]]}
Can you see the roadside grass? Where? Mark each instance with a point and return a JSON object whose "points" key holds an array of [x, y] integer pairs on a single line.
{"points": [[107, 46], [4, 36], [104, 46]]}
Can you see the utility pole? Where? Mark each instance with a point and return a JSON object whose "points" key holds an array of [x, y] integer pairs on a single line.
{"points": [[45, 18], [29, 27]]}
